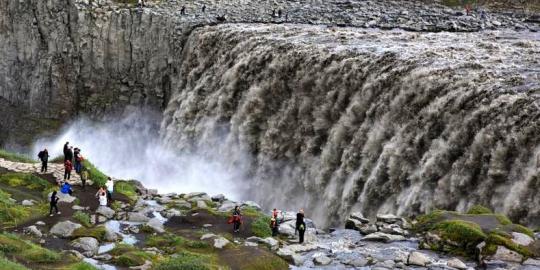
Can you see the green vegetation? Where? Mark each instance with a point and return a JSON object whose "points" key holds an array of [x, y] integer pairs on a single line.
{"points": [[26, 180], [467, 234], [261, 227], [15, 157], [12, 213], [521, 229], [96, 232], [94, 174], [126, 188], [82, 266], [495, 240], [126, 255], [187, 261], [172, 244], [479, 210], [25, 251], [116, 206], [9, 265], [267, 262], [82, 218]]}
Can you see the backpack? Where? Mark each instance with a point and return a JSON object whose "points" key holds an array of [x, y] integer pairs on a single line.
{"points": [[40, 155]]}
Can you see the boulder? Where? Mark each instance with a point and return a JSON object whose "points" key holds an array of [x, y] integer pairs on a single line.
{"points": [[207, 236], [521, 239], [88, 245], [271, 242], [218, 198], [66, 198], [195, 194], [392, 229], [287, 228], [504, 254], [358, 262], [353, 224], [221, 242], [532, 262], [322, 259], [33, 230], [182, 204], [358, 216], [457, 264], [227, 207], [368, 229], [156, 224], [201, 204], [146, 266], [388, 218], [137, 217], [28, 202], [64, 229], [105, 211], [383, 237], [110, 234], [78, 208], [169, 213], [417, 258], [251, 204]]}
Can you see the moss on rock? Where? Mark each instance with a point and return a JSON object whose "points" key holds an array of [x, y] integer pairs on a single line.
{"points": [[478, 210]]}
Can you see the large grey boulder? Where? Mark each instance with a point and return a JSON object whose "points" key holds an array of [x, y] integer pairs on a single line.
{"points": [[201, 204], [28, 202], [105, 211], [64, 229], [383, 237], [457, 264], [504, 254], [156, 224], [66, 198], [322, 260], [33, 230], [227, 206], [251, 204], [521, 239], [137, 217], [417, 258], [220, 242], [388, 218], [88, 245]]}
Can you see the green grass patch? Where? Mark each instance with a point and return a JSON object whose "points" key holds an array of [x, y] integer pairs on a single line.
{"points": [[261, 227], [83, 218], [495, 240], [521, 229], [121, 248], [96, 232], [116, 206], [81, 266], [9, 265], [187, 261], [249, 211], [94, 174], [15, 157], [133, 258], [504, 220], [126, 188], [479, 210], [26, 180], [171, 244], [24, 251], [12, 214], [467, 234], [266, 262]]}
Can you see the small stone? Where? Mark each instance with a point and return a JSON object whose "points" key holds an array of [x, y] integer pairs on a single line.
{"points": [[105, 211], [388, 218], [88, 245], [207, 236], [137, 217], [64, 228], [322, 259], [532, 262], [34, 231], [383, 237], [28, 202], [156, 224], [40, 223]]}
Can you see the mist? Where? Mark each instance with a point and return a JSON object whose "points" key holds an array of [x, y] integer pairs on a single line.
{"points": [[130, 148]]}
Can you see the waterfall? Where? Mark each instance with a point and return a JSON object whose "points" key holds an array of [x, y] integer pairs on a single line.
{"points": [[335, 120]]}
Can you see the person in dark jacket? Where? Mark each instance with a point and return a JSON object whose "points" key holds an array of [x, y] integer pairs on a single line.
{"points": [[78, 160], [274, 225], [44, 157], [301, 231], [67, 170], [53, 204], [236, 219], [299, 219], [69, 155], [66, 149]]}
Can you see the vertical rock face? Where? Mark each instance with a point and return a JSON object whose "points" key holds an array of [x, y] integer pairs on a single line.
{"points": [[60, 59]]}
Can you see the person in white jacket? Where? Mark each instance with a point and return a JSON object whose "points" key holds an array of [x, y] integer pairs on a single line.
{"points": [[110, 188], [102, 199]]}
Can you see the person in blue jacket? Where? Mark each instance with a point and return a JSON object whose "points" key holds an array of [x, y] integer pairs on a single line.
{"points": [[66, 188]]}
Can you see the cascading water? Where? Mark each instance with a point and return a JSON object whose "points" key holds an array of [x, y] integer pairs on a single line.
{"points": [[335, 120]]}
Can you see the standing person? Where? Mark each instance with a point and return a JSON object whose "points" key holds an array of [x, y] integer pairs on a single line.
{"points": [[274, 225], [53, 204], [203, 8], [69, 154], [110, 188], [44, 157], [66, 149], [301, 231], [102, 199], [84, 176], [299, 219], [183, 10], [78, 160], [236, 219], [67, 170]]}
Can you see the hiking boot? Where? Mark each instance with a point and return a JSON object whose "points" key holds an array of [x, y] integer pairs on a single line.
{"points": [[51, 215], [59, 213]]}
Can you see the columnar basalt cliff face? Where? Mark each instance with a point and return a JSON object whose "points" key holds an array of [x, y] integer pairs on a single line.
{"points": [[324, 117]]}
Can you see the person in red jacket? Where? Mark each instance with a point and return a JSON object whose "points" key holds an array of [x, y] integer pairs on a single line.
{"points": [[68, 167]]}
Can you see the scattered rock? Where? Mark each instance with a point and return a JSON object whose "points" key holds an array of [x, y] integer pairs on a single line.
{"points": [[221, 242], [417, 258], [64, 229], [66, 198], [156, 224], [88, 245], [456, 263], [33, 230], [207, 236], [322, 259], [383, 237], [368, 229], [137, 217], [504, 254], [359, 216], [251, 204], [28, 202], [227, 207], [532, 262], [201, 204], [521, 239], [388, 218], [218, 198], [76, 254], [105, 211]]}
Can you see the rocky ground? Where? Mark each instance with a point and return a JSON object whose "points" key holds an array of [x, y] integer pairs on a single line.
{"points": [[145, 230]]}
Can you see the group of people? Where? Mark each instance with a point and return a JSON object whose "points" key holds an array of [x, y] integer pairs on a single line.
{"points": [[73, 160], [300, 228]]}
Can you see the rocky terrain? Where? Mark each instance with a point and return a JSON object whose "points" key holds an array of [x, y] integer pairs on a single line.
{"points": [[146, 230]]}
